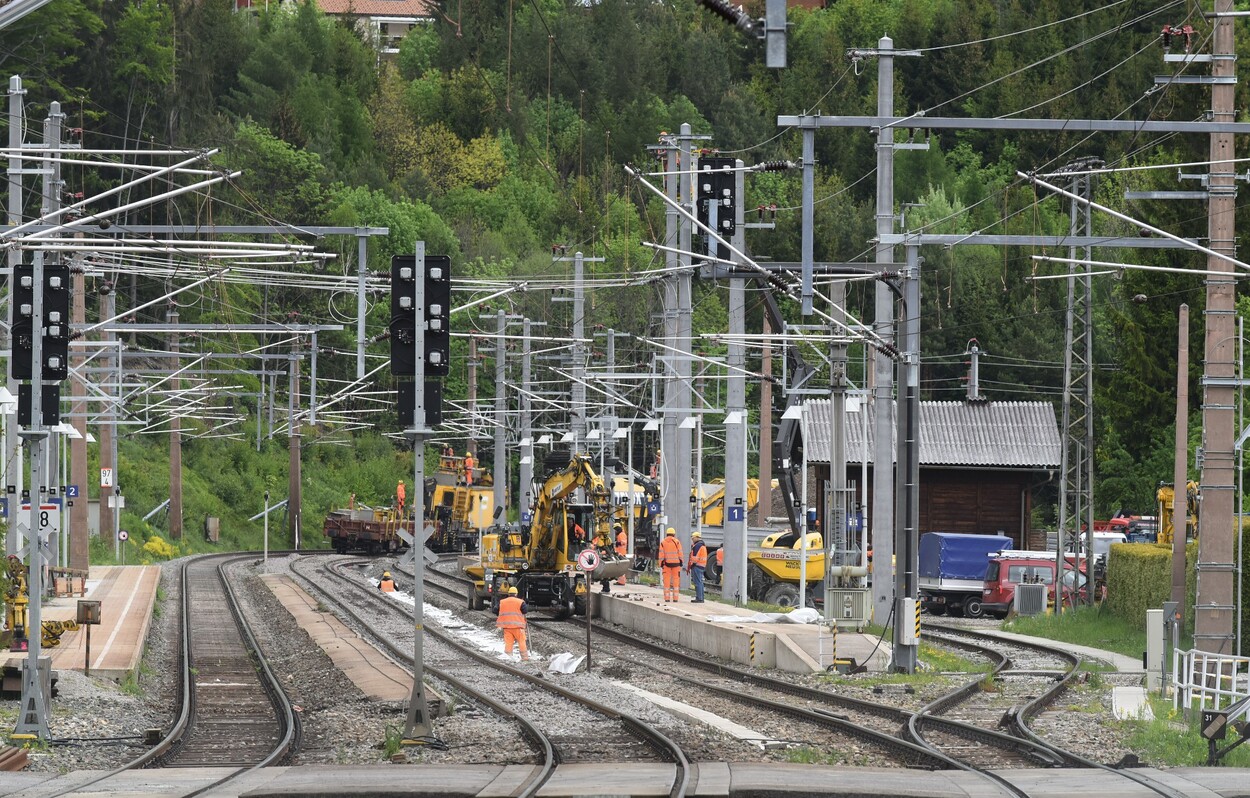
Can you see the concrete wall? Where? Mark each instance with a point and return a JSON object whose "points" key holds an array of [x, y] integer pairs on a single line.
{"points": [[727, 641]]}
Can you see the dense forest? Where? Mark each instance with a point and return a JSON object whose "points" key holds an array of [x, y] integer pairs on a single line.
{"points": [[500, 131]]}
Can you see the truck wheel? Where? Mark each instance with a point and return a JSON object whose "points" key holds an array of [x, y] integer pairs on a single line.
{"points": [[476, 602], [936, 609], [757, 583], [973, 608], [782, 595]]}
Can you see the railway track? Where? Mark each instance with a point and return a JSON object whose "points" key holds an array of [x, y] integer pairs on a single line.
{"points": [[971, 728], [875, 723], [233, 712], [561, 725], [239, 716], [1034, 656], [879, 724]]}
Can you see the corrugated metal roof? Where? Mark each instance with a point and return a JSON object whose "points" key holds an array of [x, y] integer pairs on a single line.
{"points": [[1000, 434]]}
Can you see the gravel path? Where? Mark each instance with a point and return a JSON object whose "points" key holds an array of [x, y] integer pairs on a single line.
{"points": [[91, 718]]}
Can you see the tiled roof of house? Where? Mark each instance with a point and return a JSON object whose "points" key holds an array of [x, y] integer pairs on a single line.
{"points": [[378, 8], [988, 434]]}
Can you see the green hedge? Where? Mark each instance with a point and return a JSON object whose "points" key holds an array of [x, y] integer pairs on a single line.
{"points": [[1139, 578]]}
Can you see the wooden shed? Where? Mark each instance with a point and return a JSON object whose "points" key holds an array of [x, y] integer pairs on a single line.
{"points": [[981, 463]]}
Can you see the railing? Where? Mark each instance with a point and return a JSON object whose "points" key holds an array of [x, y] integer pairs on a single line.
{"points": [[1202, 680]]}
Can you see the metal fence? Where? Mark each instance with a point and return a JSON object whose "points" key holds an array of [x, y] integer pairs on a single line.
{"points": [[1202, 680]]}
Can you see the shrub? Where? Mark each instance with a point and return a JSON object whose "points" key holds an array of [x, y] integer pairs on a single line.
{"points": [[1139, 578], [157, 547]]}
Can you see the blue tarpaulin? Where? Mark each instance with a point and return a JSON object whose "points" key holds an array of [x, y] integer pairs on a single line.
{"points": [[947, 555]]}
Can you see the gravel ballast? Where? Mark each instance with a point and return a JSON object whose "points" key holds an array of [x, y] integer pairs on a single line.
{"points": [[98, 724]]}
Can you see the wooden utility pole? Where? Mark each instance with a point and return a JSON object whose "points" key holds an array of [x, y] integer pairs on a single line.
{"points": [[1181, 461], [294, 497], [175, 437], [1215, 609]]}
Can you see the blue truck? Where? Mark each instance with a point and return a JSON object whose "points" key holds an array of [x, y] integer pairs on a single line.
{"points": [[952, 571]]}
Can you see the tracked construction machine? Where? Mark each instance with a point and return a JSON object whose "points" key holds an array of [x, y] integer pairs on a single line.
{"points": [[541, 560]]}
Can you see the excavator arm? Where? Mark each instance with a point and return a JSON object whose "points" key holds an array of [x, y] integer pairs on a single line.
{"points": [[555, 492], [788, 444]]}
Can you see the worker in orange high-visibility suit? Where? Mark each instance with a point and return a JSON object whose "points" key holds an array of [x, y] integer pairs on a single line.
{"points": [[621, 548], [671, 556], [511, 620], [401, 494], [386, 584], [468, 468], [720, 563], [698, 564]]}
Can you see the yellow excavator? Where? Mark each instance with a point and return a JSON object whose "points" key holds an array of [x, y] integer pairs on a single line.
{"points": [[542, 560], [713, 500], [16, 604], [1166, 497], [17, 611]]}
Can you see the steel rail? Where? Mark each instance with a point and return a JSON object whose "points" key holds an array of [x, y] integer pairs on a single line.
{"points": [[187, 705], [1021, 718], [656, 740], [1040, 753], [539, 739]]}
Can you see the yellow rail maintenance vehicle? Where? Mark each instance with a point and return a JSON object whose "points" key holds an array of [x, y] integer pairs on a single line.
{"points": [[773, 571], [541, 560], [1166, 497]]}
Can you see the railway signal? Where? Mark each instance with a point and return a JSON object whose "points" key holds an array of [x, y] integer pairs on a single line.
{"points": [[437, 340], [55, 323], [430, 336], [403, 324]]}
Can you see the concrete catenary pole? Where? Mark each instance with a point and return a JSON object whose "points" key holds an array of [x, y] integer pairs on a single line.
{"points": [[501, 419], [14, 472], [883, 366], [734, 577], [471, 446], [79, 538], [673, 502], [1214, 613], [362, 308], [108, 422], [579, 351], [679, 513], [526, 483], [294, 494], [907, 519]]}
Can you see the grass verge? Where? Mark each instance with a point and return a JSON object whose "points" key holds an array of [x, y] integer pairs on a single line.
{"points": [[1087, 626], [1173, 741]]}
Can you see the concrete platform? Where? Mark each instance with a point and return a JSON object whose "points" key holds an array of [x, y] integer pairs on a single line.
{"points": [[377, 676], [622, 779], [799, 648], [126, 594]]}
